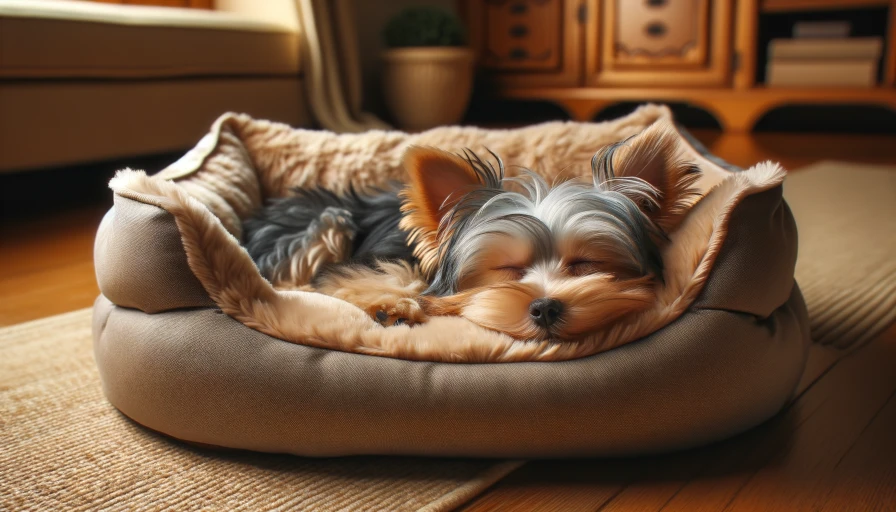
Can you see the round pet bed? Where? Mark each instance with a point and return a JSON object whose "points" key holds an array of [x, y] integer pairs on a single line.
{"points": [[191, 341]]}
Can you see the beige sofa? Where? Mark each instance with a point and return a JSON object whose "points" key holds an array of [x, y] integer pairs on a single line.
{"points": [[85, 81]]}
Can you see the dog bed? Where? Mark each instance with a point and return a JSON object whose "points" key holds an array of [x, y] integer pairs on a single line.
{"points": [[191, 341]]}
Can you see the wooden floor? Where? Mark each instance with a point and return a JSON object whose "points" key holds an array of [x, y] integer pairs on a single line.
{"points": [[833, 449]]}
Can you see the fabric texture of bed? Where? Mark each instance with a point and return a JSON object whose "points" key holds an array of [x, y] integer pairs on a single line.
{"points": [[178, 352]]}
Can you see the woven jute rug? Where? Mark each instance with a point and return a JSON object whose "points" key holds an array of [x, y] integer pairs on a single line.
{"points": [[63, 447], [846, 217]]}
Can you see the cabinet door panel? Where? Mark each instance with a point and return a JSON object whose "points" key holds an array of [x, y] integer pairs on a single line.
{"points": [[658, 42]]}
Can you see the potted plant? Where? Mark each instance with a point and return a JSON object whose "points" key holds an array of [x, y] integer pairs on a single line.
{"points": [[428, 70]]}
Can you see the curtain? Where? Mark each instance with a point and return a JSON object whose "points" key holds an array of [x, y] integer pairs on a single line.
{"points": [[332, 67]]}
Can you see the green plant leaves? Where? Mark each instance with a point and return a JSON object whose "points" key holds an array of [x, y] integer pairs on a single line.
{"points": [[424, 26]]}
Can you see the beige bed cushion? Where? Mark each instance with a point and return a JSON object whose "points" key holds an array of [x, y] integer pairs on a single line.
{"points": [[73, 39], [243, 161], [729, 361]]}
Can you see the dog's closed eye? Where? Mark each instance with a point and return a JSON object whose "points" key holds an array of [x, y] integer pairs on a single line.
{"points": [[584, 267], [511, 272]]}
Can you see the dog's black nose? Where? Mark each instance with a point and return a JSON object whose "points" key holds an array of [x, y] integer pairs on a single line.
{"points": [[545, 312]]}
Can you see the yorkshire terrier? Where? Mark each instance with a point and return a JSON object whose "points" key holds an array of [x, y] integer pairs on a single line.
{"points": [[511, 254]]}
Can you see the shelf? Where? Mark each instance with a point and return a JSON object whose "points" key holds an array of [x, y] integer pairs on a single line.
{"points": [[799, 94], [737, 110], [818, 5]]}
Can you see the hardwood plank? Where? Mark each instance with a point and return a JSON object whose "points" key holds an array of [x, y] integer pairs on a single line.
{"points": [[40, 244], [865, 478], [799, 475], [821, 359], [551, 485], [783, 461], [46, 264], [650, 482], [57, 290]]}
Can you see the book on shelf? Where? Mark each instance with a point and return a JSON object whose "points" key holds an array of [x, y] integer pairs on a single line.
{"points": [[821, 29], [852, 48], [822, 72]]}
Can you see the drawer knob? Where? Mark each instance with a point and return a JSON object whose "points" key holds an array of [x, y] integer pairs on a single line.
{"points": [[656, 3], [518, 8], [519, 31], [655, 29], [518, 54]]}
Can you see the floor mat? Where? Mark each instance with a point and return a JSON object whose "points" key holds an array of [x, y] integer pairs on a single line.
{"points": [[846, 217], [65, 448]]}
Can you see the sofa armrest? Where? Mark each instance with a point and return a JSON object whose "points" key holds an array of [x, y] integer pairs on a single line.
{"points": [[280, 12]]}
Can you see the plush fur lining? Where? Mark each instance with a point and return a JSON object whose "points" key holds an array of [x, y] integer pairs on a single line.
{"points": [[234, 283]]}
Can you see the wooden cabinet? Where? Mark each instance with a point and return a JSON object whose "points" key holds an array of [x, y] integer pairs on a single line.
{"points": [[587, 54], [531, 43]]}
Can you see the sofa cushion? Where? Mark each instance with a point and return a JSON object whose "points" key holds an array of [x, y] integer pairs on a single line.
{"points": [[72, 39], [59, 122]]}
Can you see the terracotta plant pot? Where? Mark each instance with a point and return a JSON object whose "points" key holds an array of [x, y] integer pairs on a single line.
{"points": [[427, 86]]}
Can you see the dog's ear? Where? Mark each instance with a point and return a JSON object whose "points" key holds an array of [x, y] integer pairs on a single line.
{"points": [[654, 156], [437, 181]]}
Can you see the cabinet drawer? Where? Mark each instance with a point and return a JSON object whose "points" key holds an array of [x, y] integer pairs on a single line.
{"points": [[652, 32], [526, 43], [522, 34]]}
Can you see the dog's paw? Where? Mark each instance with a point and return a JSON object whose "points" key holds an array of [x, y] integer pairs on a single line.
{"points": [[332, 221], [402, 311]]}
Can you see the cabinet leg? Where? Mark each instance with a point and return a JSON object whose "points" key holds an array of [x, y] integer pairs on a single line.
{"points": [[737, 121], [737, 115], [582, 109]]}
